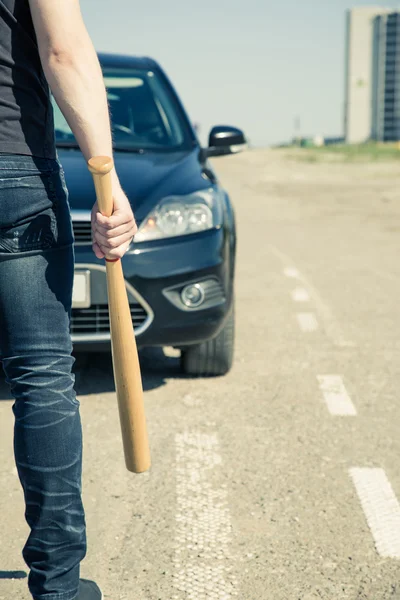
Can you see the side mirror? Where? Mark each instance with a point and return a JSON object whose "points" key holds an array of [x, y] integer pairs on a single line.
{"points": [[225, 140]]}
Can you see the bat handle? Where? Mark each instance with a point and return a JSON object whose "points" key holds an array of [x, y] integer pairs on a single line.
{"points": [[101, 167]]}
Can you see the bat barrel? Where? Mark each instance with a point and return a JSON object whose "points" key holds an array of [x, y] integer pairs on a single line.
{"points": [[128, 381]]}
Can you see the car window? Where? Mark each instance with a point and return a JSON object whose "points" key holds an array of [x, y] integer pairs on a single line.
{"points": [[144, 113]]}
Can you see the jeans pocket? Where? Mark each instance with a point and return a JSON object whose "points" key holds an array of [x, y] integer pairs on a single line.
{"points": [[35, 211]]}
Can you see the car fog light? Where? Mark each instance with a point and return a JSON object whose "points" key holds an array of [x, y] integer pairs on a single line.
{"points": [[193, 295]]}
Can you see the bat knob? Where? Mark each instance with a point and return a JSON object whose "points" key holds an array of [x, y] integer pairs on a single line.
{"points": [[100, 165]]}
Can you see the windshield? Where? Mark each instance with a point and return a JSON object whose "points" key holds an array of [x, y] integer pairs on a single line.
{"points": [[143, 112]]}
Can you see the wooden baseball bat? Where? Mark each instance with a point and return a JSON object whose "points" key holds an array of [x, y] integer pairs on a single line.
{"points": [[128, 380]]}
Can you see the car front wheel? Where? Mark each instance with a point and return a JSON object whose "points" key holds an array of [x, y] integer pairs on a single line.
{"points": [[213, 357]]}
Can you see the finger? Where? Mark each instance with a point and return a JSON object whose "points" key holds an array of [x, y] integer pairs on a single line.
{"points": [[115, 220], [93, 213], [97, 250], [107, 244], [118, 252], [109, 233]]}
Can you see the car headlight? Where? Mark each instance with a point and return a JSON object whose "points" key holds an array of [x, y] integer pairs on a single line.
{"points": [[182, 215]]}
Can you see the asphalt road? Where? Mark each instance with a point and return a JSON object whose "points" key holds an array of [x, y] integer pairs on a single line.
{"points": [[280, 481]]}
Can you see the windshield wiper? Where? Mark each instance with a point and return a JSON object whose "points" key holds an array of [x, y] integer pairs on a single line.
{"points": [[129, 149], [75, 146]]}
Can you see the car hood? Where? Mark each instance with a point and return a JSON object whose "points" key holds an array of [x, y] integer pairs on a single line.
{"points": [[145, 178]]}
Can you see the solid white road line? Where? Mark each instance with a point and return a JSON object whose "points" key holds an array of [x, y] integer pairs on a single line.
{"points": [[202, 564], [307, 321], [300, 295], [336, 397], [381, 508], [330, 324]]}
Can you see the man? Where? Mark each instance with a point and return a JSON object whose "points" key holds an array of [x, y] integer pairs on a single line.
{"points": [[45, 42]]}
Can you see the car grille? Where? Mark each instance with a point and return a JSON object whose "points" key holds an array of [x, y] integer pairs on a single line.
{"points": [[96, 319], [82, 232]]}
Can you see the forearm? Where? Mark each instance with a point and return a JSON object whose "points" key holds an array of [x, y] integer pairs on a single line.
{"points": [[76, 81], [73, 72]]}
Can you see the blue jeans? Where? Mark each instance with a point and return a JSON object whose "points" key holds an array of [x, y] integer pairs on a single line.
{"points": [[36, 277]]}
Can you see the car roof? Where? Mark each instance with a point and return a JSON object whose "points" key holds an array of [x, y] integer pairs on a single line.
{"points": [[125, 60]]}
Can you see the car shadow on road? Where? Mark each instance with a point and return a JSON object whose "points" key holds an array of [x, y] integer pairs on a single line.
{"points": [[94, 373]]}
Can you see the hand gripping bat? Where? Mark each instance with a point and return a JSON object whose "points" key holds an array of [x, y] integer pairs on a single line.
{"points": [[128, 380]]}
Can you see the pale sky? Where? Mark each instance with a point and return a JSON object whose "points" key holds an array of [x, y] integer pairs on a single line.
{"points": [[255, 64]]}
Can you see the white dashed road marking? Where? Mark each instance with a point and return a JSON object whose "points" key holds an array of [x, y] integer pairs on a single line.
{"points": [[300, 295], [291, 272], [330, 324], [381, 509], [203, 566], [336, 397], [307, 321]]}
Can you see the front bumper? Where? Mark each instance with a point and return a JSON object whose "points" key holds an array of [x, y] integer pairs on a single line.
{"points": [[154, 274]]}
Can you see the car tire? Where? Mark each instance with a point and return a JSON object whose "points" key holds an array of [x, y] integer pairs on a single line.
{"points": [[213, 357]]}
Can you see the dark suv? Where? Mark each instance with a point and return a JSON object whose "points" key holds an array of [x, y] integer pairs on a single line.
{"points": [[180, 268]]}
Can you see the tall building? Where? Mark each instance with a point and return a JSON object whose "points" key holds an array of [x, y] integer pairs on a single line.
{"points": [[360, 85], [378, 77], [386, 76]]}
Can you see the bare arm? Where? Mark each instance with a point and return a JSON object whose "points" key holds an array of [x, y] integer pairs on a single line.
{"points": [[74, 75]]}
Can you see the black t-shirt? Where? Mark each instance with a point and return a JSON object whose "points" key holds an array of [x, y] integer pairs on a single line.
{"points": [[26, 114]]}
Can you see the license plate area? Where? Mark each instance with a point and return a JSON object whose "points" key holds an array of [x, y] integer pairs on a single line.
{"points": [[81, 290]]}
